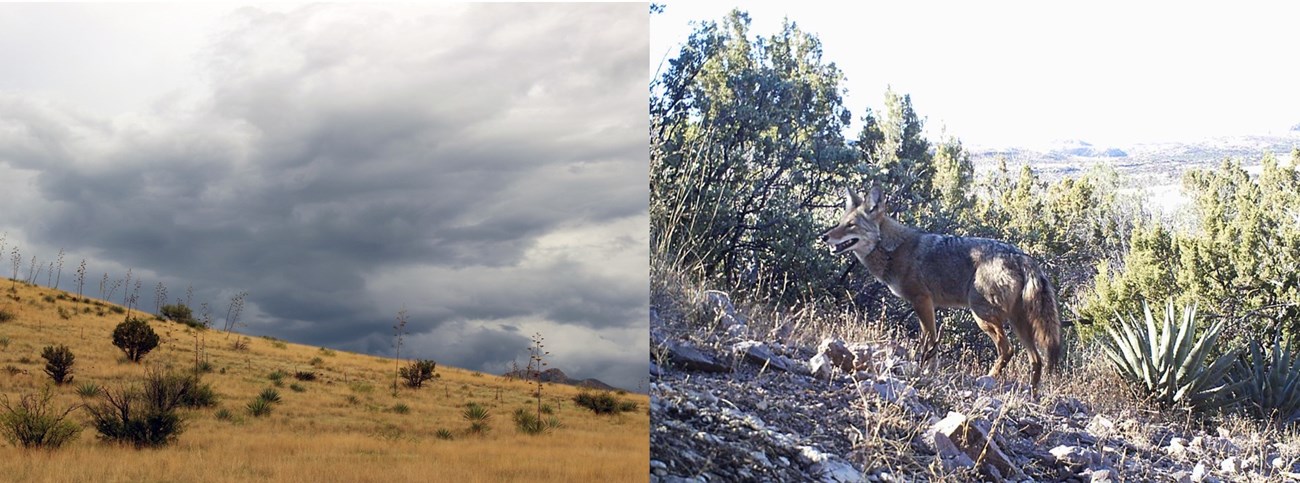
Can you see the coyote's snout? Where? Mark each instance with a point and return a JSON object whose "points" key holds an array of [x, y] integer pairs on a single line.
{"points": [[996, 281]]}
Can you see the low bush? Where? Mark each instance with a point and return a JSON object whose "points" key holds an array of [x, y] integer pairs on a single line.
{"points": [[603, 402], [418, 372], [58, 363], [305, 375], [35, 423], [147, 416]]}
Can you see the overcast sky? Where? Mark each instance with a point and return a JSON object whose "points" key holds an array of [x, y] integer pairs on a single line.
{"points": [[483, 166], [1030, 72]]}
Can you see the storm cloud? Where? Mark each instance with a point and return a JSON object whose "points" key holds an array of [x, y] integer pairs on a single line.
{"points": [[482, 166]]}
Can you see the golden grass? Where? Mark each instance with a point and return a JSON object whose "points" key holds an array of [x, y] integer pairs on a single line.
{"points": [[340, 428]]}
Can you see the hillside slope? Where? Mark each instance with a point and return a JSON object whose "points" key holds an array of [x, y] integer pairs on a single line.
{"points": [[346, 425]]}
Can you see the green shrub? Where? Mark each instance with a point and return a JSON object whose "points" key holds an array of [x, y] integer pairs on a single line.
{"points": [[145, 416], [444, 433], [269, 395], [6, 316], [117, 309], [135, 338], [276, 375], [65, 314], [599, 402], [305, 375], [58, 363], [1167, 361], [224, 414], [418, 372], [34, 423], [295, 387], [180, 313], [401, 408], [317, 362]]}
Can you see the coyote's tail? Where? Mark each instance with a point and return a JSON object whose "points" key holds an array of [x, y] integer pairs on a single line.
{"points": [[1040, 301]]}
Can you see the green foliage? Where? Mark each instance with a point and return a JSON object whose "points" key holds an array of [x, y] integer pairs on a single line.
{"points": [[180, 313], [1237, 258], [270, 395], [603, 402], [1169, 362], [304, 375], [35, 423], [147, 416], [746, 140], [419, 371], [1268, 383], [444, 434], [135, 338], [58, 363], [6, 316], [401, 408], [295, 387]]}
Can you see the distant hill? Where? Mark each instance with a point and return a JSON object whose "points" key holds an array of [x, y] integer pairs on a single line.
{"points": [[1165, 160], [559, 377]]}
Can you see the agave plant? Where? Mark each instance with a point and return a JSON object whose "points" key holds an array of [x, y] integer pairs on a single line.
{"points": [[1168, 362], [1267, 383]]}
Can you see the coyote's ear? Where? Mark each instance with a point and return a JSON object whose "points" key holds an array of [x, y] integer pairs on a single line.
{"points": [[851, 200], [874, 197]]}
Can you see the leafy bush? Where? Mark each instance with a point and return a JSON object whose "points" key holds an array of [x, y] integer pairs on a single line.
{"points": [[603, 402], [1168, 362], [180, 313], [1268, 383], [418, 372], [34, 423], [135, 338], [304, 375], [58, 363], [145, 416], [295, 387]]}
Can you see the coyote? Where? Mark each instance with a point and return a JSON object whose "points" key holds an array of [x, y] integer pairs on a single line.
{"points": [[995, 280]]}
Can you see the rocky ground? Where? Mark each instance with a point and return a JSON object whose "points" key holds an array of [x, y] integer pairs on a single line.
{"points": [[728, 404]]}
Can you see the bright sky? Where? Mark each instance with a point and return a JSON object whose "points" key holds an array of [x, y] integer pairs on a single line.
{"points": [[1027, 73]]}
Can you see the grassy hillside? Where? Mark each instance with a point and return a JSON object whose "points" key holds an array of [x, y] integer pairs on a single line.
{"points": [[346, 425]]}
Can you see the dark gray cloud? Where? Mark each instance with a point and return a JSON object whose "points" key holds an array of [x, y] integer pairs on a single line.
{"points": [[338, 162]]}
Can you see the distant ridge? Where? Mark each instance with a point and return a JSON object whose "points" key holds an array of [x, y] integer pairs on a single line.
{"points": [[559, 377]]}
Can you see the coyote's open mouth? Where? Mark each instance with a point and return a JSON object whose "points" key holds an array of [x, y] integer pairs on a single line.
{"points": [[845, 245]]}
